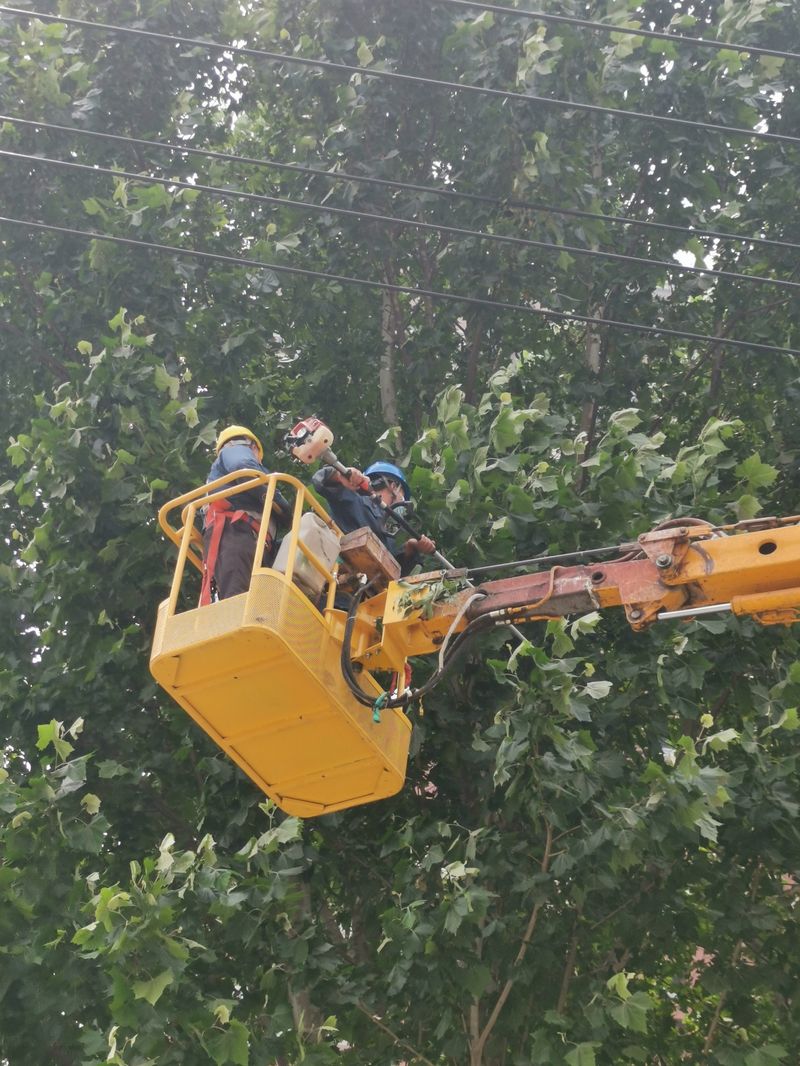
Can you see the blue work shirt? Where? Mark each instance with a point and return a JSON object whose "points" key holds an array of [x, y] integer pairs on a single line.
{"points": [[238, 456], [353, 510]]}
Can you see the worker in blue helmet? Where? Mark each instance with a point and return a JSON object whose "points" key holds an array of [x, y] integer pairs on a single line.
{"points": [[357, 500]]}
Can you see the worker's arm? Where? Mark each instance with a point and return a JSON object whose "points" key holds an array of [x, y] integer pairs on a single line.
{"points": [[331, 484], [411, 551]]}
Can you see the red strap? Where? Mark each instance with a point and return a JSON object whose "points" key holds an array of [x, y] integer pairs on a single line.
{"points": [[224, 509], [210, 558], [217, 514], [395, 687]]}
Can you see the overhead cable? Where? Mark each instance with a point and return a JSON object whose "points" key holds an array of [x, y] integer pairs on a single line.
{"points": [[435, 227], [393, 75], [409, 290], [402, 186], [607, 27], [569, 557]]}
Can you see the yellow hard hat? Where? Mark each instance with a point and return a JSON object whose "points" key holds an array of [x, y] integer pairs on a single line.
{"points": [[232, 432]]}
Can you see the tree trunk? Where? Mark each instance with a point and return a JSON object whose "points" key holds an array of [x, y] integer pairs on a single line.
{"points": [[595, 362], [391, 330]]}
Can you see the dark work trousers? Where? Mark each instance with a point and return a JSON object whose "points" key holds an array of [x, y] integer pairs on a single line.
{"points": [[237, 550]]}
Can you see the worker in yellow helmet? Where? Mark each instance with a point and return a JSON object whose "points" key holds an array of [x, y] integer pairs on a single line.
{"points": [[231, 526]]}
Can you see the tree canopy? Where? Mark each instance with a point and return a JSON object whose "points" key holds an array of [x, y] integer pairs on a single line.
{"points": [[595, 858]]}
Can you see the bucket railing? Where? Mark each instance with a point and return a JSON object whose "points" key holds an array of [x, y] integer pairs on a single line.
{"points": [[187, 538]]}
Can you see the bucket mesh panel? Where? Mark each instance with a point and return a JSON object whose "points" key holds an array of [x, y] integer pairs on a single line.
{"points": [[299, 648]]}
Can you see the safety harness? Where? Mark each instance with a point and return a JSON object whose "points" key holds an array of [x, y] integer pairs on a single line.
{"points": [[217, 515]]}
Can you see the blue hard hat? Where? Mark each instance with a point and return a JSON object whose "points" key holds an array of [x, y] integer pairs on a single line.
{"points": [[381, 469]]}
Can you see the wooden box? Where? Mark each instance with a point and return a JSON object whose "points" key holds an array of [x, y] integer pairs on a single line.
{"points": [[363, 553]]}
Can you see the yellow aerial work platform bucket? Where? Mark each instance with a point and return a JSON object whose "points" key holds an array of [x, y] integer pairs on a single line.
{"points": [[260, 672]]}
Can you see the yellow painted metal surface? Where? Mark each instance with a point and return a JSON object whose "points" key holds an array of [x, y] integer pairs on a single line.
{"points": [[409, 631], [725, 567], [260, 673]]}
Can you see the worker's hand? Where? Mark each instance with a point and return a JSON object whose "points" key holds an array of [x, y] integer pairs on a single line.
{"points": [[354, 479], [422, 545]]}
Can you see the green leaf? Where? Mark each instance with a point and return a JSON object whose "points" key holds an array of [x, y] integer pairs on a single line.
{"points": [[507, 428], [450, 404], [90, 803], [222, 1012], [747, 507], [758, 475], [626, 420], [632, 1014], [108, 768], [768, 1055], [230, 1046], [477, 979], [619, 984], [635, 1052], [152, 196], [598, 690], [52, 733], [365, 56], [46, 734], [153, 989], [562, 645], [790, 719], [166, 382], [581, 1055], [189, 412], [720, 741], [118, 321]]}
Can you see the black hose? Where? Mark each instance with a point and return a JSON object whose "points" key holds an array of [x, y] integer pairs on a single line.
{"points": [[344, 659], [477, 625]]}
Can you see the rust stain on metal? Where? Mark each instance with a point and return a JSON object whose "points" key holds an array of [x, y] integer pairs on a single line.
{"points": [[708, 562]]}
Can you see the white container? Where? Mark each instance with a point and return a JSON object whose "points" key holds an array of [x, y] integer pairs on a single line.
{"points": [[320, 539]]}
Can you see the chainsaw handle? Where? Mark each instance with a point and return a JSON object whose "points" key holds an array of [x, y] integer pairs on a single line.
{"points": [[345, 471]]}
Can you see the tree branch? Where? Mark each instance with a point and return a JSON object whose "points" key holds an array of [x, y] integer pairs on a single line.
{"points": [[735, 957], [397, 1039], [569, 966], [473, 351], [476, 1053], [679, 391]]}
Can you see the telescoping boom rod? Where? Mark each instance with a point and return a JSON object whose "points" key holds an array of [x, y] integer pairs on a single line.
{"points": [[686, 569]]}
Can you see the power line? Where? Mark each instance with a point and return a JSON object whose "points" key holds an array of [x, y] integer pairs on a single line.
{"points": [[393, 75], [401, 186], [659, 35], [409, 290], [435, 227]]}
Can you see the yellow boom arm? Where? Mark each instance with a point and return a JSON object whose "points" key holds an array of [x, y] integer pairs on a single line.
{"points": [[686, 569]]}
